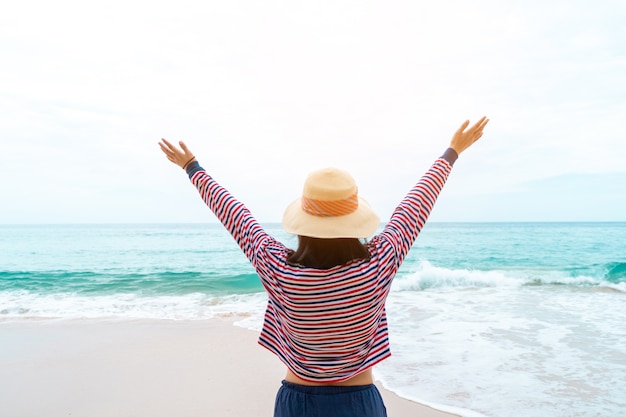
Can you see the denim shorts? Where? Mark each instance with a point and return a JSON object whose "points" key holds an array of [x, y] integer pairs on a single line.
{"points": [[295, 400]]}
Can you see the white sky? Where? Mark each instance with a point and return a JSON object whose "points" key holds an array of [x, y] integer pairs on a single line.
{"points": [[265, 91]]}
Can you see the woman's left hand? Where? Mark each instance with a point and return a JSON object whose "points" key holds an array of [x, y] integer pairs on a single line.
{"points": [[463, 138], [181, 157]]}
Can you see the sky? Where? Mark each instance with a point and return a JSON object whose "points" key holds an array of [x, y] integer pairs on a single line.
{"points": [[263, 92]]}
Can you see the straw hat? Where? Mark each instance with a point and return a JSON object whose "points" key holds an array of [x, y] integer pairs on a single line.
{"points": [[330, 208]]}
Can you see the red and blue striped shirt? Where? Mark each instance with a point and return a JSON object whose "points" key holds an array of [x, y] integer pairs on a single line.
{"points": [[327, 325]]}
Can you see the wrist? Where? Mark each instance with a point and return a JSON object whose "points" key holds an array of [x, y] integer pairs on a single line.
{"points": [[450, 155], [192, 168], [188, 162]]}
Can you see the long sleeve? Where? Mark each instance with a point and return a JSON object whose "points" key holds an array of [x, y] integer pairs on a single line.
{"points": [[232, 213], [411, 214]]}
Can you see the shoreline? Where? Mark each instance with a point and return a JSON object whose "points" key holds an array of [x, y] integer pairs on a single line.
{"points": [[146, 367]]}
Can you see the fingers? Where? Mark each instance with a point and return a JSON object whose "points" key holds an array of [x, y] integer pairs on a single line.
{"points": [[182, 158], [169, 148], [477, 127], [476, 131], [480, 125], [165, 149], [464, 137], [167, 144], [184, 147], [463, 126]]}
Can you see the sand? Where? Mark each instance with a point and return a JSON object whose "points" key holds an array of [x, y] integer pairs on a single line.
{"points": [[153, 368]]}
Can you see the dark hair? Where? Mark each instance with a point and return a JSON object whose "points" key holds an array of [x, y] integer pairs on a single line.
{"points": [[326, 253]]}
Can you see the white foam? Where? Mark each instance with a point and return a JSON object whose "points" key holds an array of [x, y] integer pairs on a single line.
{"points": [[496, 349], [23, 304], [426, 276]]}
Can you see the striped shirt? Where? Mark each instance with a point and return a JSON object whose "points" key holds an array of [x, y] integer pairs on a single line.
{"points": [[327, 325]]}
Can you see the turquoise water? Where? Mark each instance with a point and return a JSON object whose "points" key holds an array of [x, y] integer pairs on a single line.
{"points": [[484, 317]]}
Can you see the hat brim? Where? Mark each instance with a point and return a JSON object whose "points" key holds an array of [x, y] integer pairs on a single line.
{"points": [[361, 223]]}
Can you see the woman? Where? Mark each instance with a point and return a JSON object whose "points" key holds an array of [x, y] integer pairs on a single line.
{"points": [[325, 317]]}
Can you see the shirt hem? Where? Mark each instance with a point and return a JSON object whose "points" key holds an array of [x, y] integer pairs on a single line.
{"points": [[325, 381]]}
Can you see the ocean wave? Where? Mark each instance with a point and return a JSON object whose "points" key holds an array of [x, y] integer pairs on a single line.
{"points": [[25, 304], [124, 282], [616, 272], [426, 276], [416, 276]]}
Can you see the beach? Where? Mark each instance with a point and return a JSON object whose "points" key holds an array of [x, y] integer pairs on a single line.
{"points": [[105, 368], [143, 319]]}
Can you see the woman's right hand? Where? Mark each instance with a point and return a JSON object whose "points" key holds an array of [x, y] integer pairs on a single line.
{"points": [[463, 139], [181, 157]]}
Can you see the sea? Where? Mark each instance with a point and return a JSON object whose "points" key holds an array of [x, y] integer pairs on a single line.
{"points": [[486, 319]]}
